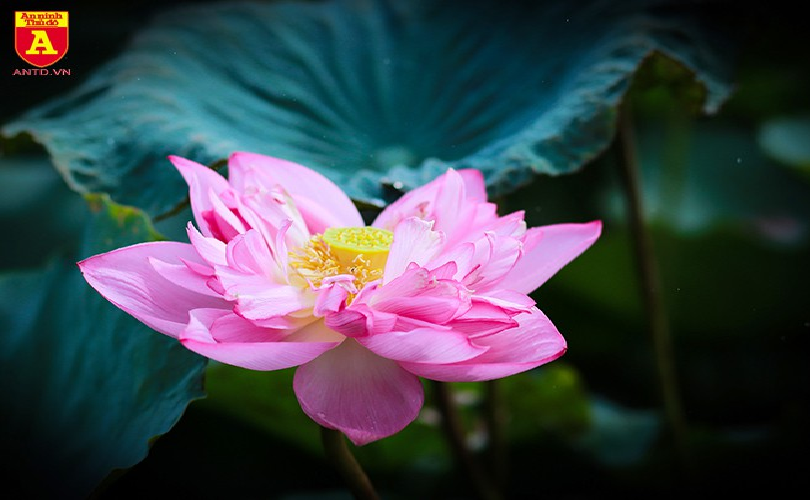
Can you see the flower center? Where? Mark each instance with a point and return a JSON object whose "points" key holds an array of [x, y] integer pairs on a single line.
{"points": [[359, 251]]}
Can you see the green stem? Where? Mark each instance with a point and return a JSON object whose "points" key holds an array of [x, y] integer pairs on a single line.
{"points": [[451, 425], [650, 283], [495, 419], [337, 451]]}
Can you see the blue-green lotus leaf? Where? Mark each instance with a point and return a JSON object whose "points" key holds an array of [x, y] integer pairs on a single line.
{"points": [[84, 386], [785, 140], [373, 93], [30, 189]]}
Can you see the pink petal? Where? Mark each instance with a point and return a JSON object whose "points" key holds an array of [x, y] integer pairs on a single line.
{"points": [[244, 346], [482, 319], [360, 320], [222, 325], [274, 214], [449, 208], [126, 278], [317, 331], [415, 241], [250, 279], [182, 275], [423, 345], [349, 322], [200, 180], [221, 220], [474, 184], [546, 250], [250, 253], [358, 393], [418, 294], [321, 203], [512, 225], [211, 250], [262, 302], [331, 296], [493, 257], [466, 191], [417, 202], [508, 300], [225, 326], [462, 257], [534, 342], [535, 339]]}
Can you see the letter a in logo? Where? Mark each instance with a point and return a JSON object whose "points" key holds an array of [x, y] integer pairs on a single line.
{"points": [[41, 38], [41, 44]]}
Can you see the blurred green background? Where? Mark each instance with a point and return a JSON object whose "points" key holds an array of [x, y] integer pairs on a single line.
{"points": [[727, 202]]}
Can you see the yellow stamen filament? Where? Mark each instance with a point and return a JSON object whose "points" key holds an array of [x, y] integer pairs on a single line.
{"points": [[314, 261], [359, 251]]}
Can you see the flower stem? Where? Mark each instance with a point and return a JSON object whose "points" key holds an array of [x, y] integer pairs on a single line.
{"points": [[650, 284], [337, 451], [452, 428], [495, 418]]}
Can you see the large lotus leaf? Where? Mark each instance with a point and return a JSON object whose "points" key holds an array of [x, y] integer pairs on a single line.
{"points": [[29, 190], [85, 387], [373, 93]]}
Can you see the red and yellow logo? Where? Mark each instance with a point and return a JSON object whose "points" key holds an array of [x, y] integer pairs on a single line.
{"points": [[41, 37]]}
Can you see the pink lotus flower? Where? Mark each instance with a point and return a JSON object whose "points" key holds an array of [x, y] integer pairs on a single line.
{"points": [[282, 272]]}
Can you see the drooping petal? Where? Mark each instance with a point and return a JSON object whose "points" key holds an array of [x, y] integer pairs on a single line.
{"points": [[353, 390], [321, 203], [415, 241], [546, 250], [534, 342], [200, 180], [423, 345], [244, 346], [126, 278]]}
